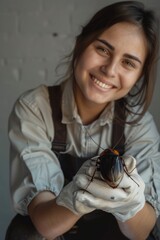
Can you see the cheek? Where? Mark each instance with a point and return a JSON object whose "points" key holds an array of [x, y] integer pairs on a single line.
{"points": [[129, 81], [82, 69], [79, 72], [80, 65], [87, 61]]}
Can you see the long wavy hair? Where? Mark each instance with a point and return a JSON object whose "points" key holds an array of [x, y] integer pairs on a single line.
{"points": [[133, 12]]}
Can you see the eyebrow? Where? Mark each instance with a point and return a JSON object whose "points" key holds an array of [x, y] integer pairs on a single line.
{"points": [[106, 43], [112, 48]]}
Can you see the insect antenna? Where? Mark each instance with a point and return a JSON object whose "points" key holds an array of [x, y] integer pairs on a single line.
{"points": [[99, 144], [93, 139]]}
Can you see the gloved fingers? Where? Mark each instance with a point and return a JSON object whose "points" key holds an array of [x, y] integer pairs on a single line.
{"points": [[130, 163], [93, 202], [89, 200], [82, 208], [92, 172], [94, 161], [131, 182], [87, 164], [82, 180], [129, 209], [140, 181], [100, 188], [137, 184]]}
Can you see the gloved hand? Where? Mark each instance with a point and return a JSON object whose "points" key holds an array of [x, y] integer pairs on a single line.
{"points": [[67, 196], [123, 202]]}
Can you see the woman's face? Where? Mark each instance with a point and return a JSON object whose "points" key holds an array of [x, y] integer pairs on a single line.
{"points": [[111, 65]]}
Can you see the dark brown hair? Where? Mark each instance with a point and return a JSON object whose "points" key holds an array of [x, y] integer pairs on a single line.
{"points": [[133, 12]]}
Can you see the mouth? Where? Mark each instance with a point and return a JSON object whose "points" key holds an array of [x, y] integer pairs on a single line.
{"points": [[101, 84]]}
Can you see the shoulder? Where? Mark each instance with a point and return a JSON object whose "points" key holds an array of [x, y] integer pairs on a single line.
{"points": [[145, 119], [34, 102], [35, 95], [144, 128]]}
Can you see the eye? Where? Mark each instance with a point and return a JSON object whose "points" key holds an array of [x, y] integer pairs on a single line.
{"points": [[129, 64], [103, 51]]}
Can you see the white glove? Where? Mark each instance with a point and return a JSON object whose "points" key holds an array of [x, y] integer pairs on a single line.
{"points": [[123, 202], [67, 196]]}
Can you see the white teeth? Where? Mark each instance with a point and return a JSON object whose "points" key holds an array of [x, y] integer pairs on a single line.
{"points": [[102, 85]]}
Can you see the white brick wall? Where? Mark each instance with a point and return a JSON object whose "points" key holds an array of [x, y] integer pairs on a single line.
{"points": [[29, 54], [26, 34]]}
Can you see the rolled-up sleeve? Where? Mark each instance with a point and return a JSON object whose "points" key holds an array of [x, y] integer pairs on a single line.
{"points": [[34, 167], [142, 142]]}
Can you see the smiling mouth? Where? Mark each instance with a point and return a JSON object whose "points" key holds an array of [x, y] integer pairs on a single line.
{"points": [[101, 84]]}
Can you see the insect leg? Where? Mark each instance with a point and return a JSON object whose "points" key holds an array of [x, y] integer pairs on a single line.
{"points": [[127, 172], [92, 175]]}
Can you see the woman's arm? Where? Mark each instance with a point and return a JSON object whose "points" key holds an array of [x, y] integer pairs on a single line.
{"points": [[34, 168], [50, 219], [140, 226]]}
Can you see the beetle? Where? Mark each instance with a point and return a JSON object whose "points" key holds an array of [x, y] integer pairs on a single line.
{"points": [[112, 167]]}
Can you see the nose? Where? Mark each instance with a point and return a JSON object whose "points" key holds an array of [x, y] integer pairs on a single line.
{"points": [[109, 69]]}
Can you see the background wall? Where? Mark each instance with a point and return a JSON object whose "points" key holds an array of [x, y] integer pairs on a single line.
{"points": [[34, 35]]}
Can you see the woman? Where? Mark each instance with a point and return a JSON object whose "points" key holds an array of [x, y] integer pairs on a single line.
{"points": [[113, 62]]}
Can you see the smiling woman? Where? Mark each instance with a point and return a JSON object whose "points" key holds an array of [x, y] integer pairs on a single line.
{"points": [[108, 68], [57, 135]]}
